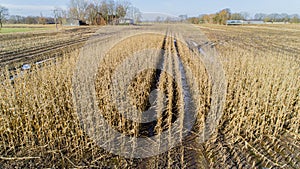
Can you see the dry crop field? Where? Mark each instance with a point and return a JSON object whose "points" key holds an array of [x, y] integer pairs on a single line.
{"points": [[260, 125], [29, 47], [225, 97]]}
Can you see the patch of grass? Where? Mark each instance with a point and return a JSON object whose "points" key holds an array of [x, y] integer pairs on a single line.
{"points": [[15, 30]]}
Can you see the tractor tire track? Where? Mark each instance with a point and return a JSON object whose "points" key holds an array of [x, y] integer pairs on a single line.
{"points": [[189, 153]]}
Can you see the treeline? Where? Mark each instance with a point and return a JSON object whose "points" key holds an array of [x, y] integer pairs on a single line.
{"points": [[99, 11], [222, 16], [93, 12], [17, 19], [275, 17]]}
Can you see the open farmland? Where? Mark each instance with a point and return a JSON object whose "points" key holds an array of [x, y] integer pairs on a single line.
{"points": [[237, 88], [260, 126], [20, 48]]}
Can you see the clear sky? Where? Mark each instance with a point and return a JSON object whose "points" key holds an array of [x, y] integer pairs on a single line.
{"points": [[173, 7]]}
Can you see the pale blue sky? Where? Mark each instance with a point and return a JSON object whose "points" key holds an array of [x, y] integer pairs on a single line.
{"points": [[174, 7]]}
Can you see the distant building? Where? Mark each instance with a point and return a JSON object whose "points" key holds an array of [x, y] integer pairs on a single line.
{"points": [[235, 22], [255, 22], [242, 22], [276, 22], [112, 19], [125, 21], [99, 19], [73, 22]]}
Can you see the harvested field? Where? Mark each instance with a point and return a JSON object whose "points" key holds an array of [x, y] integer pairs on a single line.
{"points": [[196, 97], [20, 48], [260, 126]]}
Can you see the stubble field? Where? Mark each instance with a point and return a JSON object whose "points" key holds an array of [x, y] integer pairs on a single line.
{"points": [[241, 84]]}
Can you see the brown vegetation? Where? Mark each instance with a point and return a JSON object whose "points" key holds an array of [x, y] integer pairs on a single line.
{"points": [[39, 125]]}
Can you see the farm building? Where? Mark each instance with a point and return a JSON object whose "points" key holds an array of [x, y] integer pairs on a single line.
{"points": [[73, 22], [235, 22], [125, 21], [99, 19], [255, 22], [242, 22]]}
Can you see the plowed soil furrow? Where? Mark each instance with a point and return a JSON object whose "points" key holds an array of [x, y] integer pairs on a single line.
{"points": [[27, 54], [48, 45]]}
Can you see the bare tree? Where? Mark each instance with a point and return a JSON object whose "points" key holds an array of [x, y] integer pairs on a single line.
{"points": [[122, 8], [284, 17], [42, 19], [3, 14], [111, 7], [194, 20], [92, 13], [295, 18], [104, 9], [223, 16], [59, 15], [260, 16], [135, 14], [207, 18], [237, 16], [90, 10], [245, 15], [78, 9], [111, 11]]}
